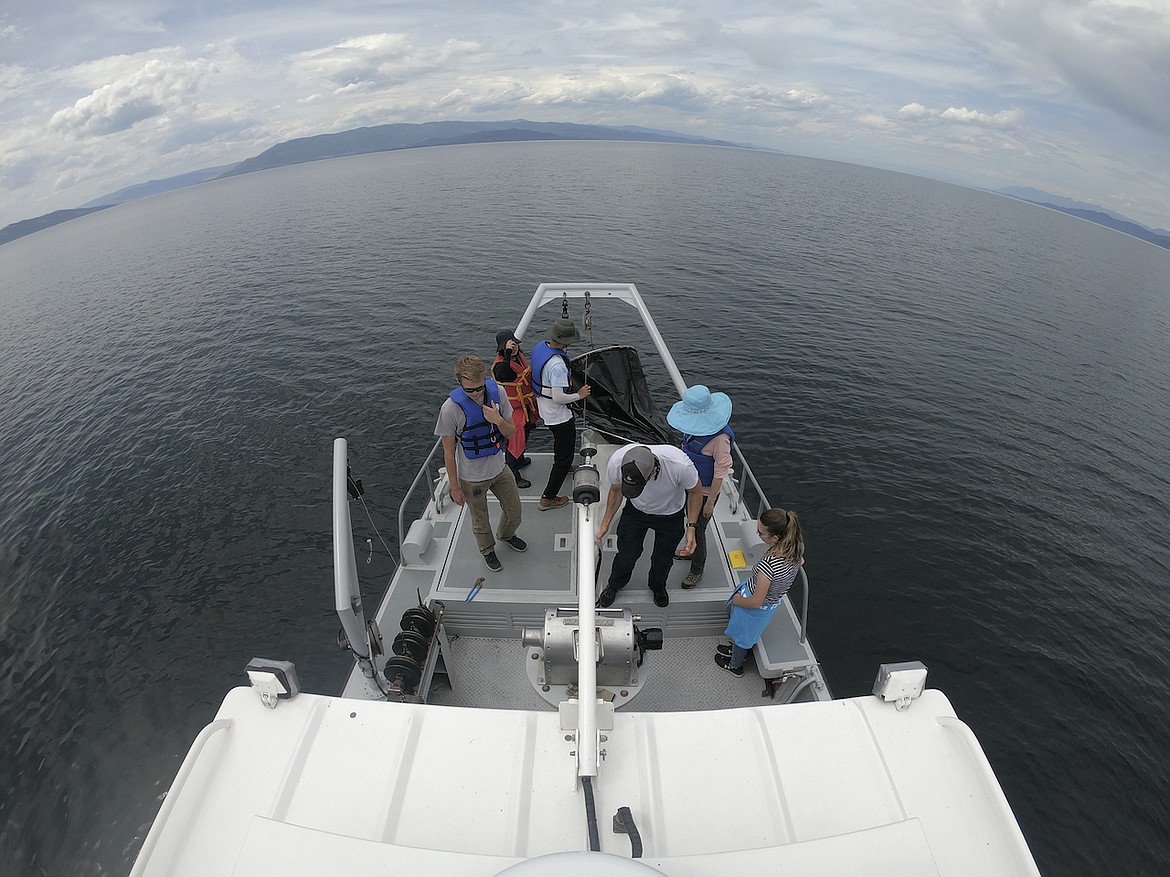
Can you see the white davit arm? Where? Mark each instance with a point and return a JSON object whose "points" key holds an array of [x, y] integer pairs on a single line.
{"points": [[346, 591]]}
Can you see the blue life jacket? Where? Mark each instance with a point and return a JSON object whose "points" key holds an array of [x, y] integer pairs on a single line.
{"points": [[479, 437], [542, 354], [693, 446]]}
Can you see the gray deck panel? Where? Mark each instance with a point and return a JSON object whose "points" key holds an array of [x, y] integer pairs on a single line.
{"points": [[490, 673]]}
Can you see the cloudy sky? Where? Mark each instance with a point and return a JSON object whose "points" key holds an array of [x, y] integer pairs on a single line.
{"points": [[1069, 96]]}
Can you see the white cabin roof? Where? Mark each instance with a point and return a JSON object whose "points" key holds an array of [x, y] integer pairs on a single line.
{"points": [[335, 785]]}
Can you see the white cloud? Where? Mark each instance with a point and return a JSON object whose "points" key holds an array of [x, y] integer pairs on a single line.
{"points": [[377, 61], [1114, 54], [962, 115], [914, 111], [875, 120], [157, 87]]}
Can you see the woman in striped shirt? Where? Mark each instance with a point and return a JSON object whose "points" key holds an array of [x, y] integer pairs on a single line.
{"points": [[756, 599]]}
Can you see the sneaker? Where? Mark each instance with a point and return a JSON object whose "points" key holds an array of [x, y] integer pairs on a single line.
{"points": [[724, 661], [724, 649], [524, 461], [607, 597], [545, 503], [516, 543], [661, 599], [692, 579], [522, 482], [492, 561]]}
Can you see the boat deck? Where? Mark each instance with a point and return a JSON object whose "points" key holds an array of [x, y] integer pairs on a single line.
{"points": [[848, 787], [490, 674], [483, 657]]}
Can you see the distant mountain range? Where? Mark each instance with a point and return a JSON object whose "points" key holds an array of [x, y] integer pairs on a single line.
{"points": [[1091, 212], [359, 141], [384, 138]]}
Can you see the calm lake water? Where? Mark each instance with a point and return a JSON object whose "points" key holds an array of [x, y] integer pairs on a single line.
{"points": [[963, 396]]}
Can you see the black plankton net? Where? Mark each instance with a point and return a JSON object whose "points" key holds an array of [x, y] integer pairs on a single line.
{"points": [[620, 406]]}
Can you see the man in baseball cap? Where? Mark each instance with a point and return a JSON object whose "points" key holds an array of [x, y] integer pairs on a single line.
{"points": [[657, 488]]}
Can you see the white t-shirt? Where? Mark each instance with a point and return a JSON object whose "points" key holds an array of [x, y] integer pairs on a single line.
{"points": [[665, 492], [556, 374]]}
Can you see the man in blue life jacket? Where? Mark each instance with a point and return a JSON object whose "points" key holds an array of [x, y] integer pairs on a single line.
{"points": [[662, 493], [475, 422], [553, 385], [702, 417]]}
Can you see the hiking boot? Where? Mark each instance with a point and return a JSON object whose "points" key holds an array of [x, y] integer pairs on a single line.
{"points": [[724, 661], [516, 543], [545, 503], [724, 649], [525, 461], [606, 598], [521, 481], [661, 599], [692, 579], [492, 561]]}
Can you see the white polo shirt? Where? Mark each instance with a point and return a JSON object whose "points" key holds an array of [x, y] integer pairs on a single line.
{"points": [[666, 492]]}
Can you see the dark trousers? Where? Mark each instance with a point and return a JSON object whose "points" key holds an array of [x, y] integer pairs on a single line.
{"points": [[564, 443], [631, 538], [514, 462], [738, 656], [699, 558]]}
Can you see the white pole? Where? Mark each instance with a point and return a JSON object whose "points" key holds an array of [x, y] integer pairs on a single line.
{"points": [[347, 594], [587, 643]]}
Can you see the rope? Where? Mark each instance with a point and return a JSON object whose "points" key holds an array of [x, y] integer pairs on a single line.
{"points": [[369, 518]]}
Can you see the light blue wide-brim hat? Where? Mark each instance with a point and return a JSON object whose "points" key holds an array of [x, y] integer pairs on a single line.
{"points": [[700, 412]]}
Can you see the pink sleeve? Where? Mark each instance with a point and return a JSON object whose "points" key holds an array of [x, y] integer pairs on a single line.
{"points": [[720, 448]]}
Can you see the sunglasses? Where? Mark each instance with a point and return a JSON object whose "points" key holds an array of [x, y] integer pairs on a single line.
{"points": [[470, 390]]}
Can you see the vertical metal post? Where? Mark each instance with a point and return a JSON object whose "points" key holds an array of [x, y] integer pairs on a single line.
{"points": [[346, 590], [587, 643]]}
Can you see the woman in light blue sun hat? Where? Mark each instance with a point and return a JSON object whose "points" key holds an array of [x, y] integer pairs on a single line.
{"points": [[702, 417]]}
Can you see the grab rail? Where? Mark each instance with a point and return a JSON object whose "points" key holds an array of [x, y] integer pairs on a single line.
{"points": [[168, 804], [803, 605], [547, 293], [747, 473], [432, 491]]}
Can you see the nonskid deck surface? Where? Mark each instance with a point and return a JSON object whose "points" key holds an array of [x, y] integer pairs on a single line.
{"points": [[490, 673], [548, 563]]}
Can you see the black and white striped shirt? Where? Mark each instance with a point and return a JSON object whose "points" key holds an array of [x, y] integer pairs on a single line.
{"points": [[780, 572]]}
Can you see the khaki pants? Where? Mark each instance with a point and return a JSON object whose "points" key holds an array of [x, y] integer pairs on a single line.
{"points": [[475, 495]]}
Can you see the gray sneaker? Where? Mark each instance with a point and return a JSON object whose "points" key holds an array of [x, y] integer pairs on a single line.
{"points": [[692, 579], [492, 561]]}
